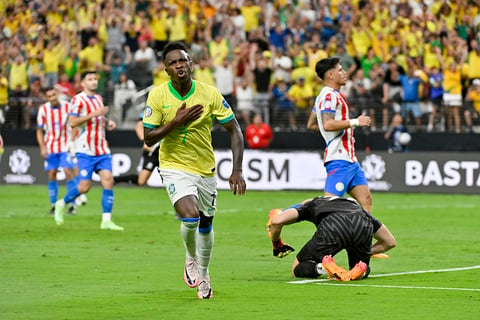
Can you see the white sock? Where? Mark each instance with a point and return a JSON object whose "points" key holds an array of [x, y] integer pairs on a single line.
{"points": [[106, 216], [188, 231], [205, 246], [320, 269]]}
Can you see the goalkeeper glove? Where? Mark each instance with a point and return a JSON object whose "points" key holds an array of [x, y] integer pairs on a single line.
{"points": [[281, 249]]}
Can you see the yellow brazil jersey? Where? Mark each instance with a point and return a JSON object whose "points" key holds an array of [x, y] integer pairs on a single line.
{"points": [[204, 75], [452, 81], [189, 147], [301, 95], [3, 91]]}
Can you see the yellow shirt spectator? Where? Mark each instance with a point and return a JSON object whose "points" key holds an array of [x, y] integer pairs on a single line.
{"points": [[157, 25], [218, 50], [452, 81], [52, 58], [177, 28], [301, 94], [204, 74], [473, 65], [3, 91], [250, 13], [361, 41], [304, 72], [93, 55], [18, 75]]}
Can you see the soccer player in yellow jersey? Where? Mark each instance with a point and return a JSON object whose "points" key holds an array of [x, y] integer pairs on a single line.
{"points": [[180, 113]]}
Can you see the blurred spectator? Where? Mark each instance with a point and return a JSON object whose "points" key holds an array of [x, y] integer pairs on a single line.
{"points": [[360, 94], [368, 61], [452, 96], [158, 24], [376, 106], [34, 52], [34, 100], [411, 100], [302, 97], [53, 56], [258, 134], [284, 109], [92, 55], [71, 64], [3, 96], [282, 66], [436, 96], [145, 62], [117, 63], [115, 35], [225, 81], [393, 135], [245, 99], [176, 22], [473, 102], [64, 88], [252, 14], [123, 92], [159, 74], [203, 71], [262, 72], [392, 87]]}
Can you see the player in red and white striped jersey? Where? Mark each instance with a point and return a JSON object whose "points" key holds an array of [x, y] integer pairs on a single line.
{"points": [[87, 113], [344, 174], [53, 137]]}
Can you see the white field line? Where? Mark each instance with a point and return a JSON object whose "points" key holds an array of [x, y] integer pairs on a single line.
{"points": [[326, 281]]}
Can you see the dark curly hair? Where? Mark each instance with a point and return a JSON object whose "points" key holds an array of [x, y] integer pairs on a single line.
{"points": [[324, 65], [173, 46]]}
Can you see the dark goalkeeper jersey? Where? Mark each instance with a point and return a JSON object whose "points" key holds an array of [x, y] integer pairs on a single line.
{"points": [[320, 207]]}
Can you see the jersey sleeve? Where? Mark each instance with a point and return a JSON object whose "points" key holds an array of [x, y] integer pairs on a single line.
{"points": [[76, 107], [41, 117], [221, 109], [328, 103], [152, 114]]}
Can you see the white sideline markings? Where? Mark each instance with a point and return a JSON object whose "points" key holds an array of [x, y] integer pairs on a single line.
{"points": [[326, 281]]}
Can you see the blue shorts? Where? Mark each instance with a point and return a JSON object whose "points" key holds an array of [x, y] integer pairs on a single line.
{"points": [[413, 107], [58, 160], [343, 176], [89, 164]]}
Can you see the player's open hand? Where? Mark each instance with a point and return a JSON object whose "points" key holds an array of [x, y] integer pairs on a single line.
{"points": [[237, 183]]}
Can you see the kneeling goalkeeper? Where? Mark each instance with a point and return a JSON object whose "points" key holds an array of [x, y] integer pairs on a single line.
{"points": [[341, 224]]}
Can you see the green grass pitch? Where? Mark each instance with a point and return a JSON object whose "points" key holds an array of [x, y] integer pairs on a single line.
{"points": [[77, 271]]}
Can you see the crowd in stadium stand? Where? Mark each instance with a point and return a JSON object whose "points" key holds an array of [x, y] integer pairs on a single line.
{"points": [[419, 58]]}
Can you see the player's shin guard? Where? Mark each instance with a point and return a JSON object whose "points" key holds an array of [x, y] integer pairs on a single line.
{"points": [[107, 200], [306, 269], [52, 191], [188, 231], [205, 244]]}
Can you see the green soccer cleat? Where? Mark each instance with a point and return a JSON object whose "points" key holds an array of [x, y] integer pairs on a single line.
{"points": [[59, 212], [110, 225]]}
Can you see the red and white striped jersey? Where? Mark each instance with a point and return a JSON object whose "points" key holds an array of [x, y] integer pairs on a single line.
{"points": [[339, 144], [54, 122], [91, 139]]}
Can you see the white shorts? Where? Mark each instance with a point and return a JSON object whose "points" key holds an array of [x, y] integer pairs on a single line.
{"points": [[452, 100], [179, 184]]}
